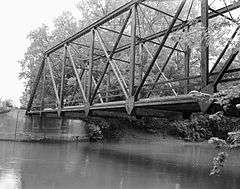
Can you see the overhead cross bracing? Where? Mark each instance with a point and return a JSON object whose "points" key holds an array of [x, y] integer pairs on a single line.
{"points": [[133, 59]]}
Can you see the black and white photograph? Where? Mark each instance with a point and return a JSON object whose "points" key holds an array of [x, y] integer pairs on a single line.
{"points": [[120, 94]]}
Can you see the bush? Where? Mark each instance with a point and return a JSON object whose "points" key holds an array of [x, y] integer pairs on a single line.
{"points": [[202, 127], [195, 129]]}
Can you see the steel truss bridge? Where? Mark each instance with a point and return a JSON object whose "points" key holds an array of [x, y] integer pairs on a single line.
{"points": [[120, 71]]}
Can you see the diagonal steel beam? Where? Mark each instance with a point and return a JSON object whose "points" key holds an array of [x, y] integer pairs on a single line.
{"points": [[224, 50], [151, 28], [125, 8], [111, 55], [160, 48], [224, 16], [160, 70], [86, 46], [162, 12], [189, 10], [75, 87], [35, 84], [227, 9], [99, 22], [114, 66], [77, 75], [138, 38], [224, 69], [191, 77], [182, 25], [53, 80], [98, 56], [95, 84], [113, 62]]}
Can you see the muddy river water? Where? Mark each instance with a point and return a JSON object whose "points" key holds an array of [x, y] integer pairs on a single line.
{"points": [[113, 166]]}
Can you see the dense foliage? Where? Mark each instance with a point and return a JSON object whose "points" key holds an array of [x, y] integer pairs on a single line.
{"points": [[6, 103], [151, 21]]}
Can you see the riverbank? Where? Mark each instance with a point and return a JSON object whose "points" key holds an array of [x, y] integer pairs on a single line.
{"points": [[199, 128]]}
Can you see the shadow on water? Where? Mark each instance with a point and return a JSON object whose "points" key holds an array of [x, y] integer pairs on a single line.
{"points": [[188, 166], [84, 165]]}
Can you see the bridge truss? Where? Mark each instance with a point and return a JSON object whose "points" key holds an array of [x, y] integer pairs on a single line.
{"points": [[109, 70]]}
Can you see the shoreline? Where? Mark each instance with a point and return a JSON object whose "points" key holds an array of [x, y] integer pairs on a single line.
{"points": [[198, 129]]}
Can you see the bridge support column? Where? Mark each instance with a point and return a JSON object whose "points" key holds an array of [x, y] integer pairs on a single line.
{"points": [[54, 128]]}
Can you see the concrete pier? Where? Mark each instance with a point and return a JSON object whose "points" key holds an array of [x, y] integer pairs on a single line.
{"points": [[14, 125]]}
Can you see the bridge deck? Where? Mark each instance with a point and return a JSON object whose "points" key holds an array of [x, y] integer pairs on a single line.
{"points": [[159, 107]]}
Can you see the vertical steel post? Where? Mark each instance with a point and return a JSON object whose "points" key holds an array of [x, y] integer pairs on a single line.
{"points": [[85, 80], [132, 51], [43, 97], [62, 77], [141, 61], [141, 66], [187, 53], [168, 31], [204, 44], [111, 55], [90, 67], [108, 84], [114, 66], [130, 100], [43, 89]]}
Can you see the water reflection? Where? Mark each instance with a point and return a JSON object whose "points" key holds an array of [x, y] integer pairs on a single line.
{"points": [[118, 166], [10, 179]]}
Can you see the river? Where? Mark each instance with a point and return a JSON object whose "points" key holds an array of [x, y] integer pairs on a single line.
{"points": [[113, 166]]}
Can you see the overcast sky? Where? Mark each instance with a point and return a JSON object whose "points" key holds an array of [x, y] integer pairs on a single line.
{"points": [[17, 19]]}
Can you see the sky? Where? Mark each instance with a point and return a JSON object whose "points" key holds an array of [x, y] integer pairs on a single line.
{"points": [[17, 19]]}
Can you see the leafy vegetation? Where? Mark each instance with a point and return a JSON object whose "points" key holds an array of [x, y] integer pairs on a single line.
{"points": [[65, 25], [6, 103], [218, 163], [198, 127]]}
